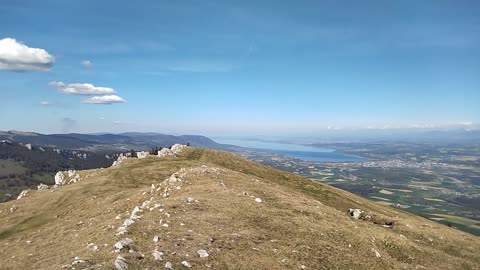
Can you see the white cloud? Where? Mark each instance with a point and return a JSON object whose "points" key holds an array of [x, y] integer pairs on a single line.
{"points": [[84, 89], [16, 56], [87, 63], [107, 99], [45, 103]]}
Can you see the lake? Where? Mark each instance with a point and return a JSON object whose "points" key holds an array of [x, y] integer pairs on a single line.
{"points": [[302, 152]]}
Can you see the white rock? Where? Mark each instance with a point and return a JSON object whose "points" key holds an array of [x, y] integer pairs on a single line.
{"points": [[121, 263], [355, 213], [202, 253], [186, 264], [42, 186], [128, 222], [157, 255], [135, 211], [22, 194], [28, 146], [71, 173], [155, 238], [177, 148], [189, 200], [121, 230], [165, 152], [142, 154], [377, 254], [124, 243], [59, 179], [168, 265], [258, 200]]}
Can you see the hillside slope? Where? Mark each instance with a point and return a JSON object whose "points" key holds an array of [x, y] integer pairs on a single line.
{"points": [[173, 211]]}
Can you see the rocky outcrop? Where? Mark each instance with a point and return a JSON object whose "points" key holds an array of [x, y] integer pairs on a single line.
{"points": [[59, 178], [142, 154], [119, 160], [173, 151], [42, 186], [22, 194]]}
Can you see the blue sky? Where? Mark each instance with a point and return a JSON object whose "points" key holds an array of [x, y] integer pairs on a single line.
{"points": [[240, 67]]}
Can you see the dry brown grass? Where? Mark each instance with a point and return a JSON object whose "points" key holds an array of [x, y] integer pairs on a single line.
{"points": [[299, 222]]}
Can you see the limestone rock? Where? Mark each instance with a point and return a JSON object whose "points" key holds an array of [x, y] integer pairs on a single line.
{"points": [[42, 186], [174, 150], [165, 152], [142, 154], [186, 264], [121, 263], [22, 194], [168, 265], [202, 253], [124, 243], [157, 255], [355, 213], [59, 179]]}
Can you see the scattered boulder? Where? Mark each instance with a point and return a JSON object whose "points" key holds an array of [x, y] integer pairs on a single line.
{"points": [[121, 263], [186, 264], [355, 213], [42, 186], [22, 194], [157, 255], [124, 243], [258, 200], [168, 265], [202, 253]]}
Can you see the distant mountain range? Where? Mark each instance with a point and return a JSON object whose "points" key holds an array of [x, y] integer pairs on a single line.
{"points": [[109, 142]]}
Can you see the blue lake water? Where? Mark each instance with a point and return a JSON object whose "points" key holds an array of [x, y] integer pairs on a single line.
{"points": [[302, 152]]}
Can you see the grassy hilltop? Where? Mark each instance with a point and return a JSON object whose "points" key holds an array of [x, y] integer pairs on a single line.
{"points": [[242, 214]]}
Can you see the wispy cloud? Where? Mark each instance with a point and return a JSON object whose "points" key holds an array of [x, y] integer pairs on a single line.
{"points": [[107, 99], [87, 64], [45, 103], [16, 56], [84, 89]]}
